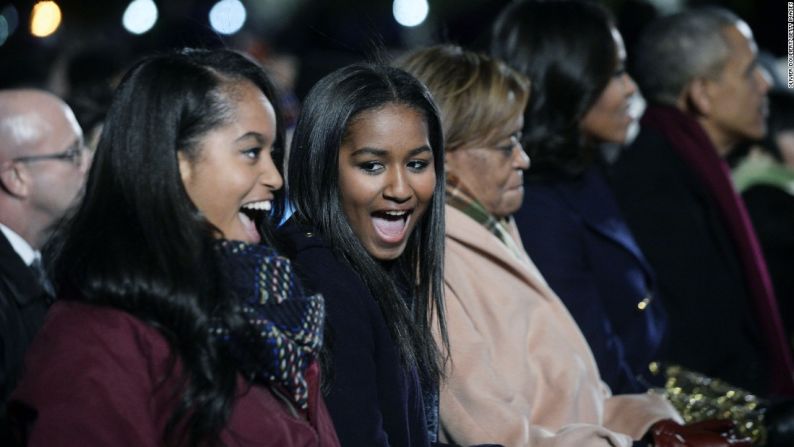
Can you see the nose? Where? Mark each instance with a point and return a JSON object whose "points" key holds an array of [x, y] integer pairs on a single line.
{"points": [[629, 86], [520, 158], [397, 186], [763, 80], [269, 176]]}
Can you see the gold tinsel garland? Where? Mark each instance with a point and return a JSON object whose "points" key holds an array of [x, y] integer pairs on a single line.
{"points": [[698, 397]]}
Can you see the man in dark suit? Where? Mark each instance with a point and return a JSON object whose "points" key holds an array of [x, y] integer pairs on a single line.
{"points": [[42, 167], [699, 71]]}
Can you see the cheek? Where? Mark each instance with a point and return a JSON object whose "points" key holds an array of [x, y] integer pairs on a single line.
{"points": [[424, 187], [218, 192], [354, 193]]}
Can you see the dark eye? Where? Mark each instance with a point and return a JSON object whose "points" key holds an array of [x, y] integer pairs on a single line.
{"points": [[252, 153], [418, 165], [371, 167], [619, 72]]}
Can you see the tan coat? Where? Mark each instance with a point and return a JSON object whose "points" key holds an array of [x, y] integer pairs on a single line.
{"points": [[522, 373]]}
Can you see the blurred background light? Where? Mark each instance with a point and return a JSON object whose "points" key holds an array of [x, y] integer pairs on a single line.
{"points": [[4, 29], [227, 16], [140, 16], [410, 13], [12, 18], [45, 18]]}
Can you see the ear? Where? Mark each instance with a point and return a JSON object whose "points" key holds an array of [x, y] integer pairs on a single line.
{"points": [[15, 179], [698, 97], [185, 167]]}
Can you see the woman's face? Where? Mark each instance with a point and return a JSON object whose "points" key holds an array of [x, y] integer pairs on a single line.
{"points": [[386, 177], [608, 119], [494, 172], [232, 177]]}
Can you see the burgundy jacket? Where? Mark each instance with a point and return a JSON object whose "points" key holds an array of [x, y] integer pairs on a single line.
{"points": [[92, 378]]}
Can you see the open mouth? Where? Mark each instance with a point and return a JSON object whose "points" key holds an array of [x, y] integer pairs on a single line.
{"points": [[391, 224], [251, 215]]}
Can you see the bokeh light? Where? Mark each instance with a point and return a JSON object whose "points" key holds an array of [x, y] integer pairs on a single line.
{"points": [[410, 13], [227, 16], [140, 16], [4, 30], [45, 18]]}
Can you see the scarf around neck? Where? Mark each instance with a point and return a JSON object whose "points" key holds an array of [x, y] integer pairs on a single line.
{"points": [[287, 324], [691, 143]]}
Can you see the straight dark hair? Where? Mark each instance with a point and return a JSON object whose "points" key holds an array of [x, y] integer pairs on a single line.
{"points": [[313, 188], [566, 49], [137, 243]]}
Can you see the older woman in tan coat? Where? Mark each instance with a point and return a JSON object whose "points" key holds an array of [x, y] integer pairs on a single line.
{"points": [[521, 371]]}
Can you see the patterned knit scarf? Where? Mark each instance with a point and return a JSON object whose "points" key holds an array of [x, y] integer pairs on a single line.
{"points": [[459, 197], [288, 323]]}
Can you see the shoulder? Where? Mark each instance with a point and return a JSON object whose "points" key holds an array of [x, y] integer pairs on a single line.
{"points": [[80, 319], [92, 374], [79, 334], [313, 258], [650, 152], [650, 166], [321, 271], [549, 200], [295, 238]]}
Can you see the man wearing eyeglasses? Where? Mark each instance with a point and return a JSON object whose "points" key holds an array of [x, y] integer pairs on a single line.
{"points": [[42, 167]]}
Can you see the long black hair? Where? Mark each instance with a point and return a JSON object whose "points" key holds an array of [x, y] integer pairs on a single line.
{"points": [[313, 188], [137, 242], [566, 49]]}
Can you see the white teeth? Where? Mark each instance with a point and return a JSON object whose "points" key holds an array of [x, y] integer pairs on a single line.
{"points": [[395, 213], [263, 205]]}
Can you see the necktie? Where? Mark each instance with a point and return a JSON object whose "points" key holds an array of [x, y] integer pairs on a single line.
{"points": [[41, 277]]}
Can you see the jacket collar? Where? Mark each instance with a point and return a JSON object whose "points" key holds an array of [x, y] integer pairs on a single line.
{"points": [[17, 276], [467, 231]]}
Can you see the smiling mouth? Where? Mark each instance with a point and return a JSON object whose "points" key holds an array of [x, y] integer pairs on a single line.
{"points": [[391, 225], [251, 214]]}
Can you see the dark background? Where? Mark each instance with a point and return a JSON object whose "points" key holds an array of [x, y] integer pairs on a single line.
{"points": [[313, 36]]}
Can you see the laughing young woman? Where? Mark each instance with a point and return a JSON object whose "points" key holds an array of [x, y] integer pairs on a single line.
{"points": [[365, 178], [175, 325]]}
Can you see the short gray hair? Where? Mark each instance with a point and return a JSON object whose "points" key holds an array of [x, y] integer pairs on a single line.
{"points": [[675, 49]]}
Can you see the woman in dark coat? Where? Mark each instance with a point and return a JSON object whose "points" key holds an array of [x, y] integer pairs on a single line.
{"points": [[365, 179], [569, 221]]}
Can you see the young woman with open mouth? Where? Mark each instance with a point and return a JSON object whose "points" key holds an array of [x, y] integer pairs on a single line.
{"points": [[177, 323], [365, 178]]}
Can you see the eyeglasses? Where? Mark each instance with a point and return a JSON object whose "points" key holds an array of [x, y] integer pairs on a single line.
{"points": [[505, 148], [74, 155]]}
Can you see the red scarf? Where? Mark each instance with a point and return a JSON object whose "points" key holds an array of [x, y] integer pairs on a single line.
{"points": [[693, 145]]}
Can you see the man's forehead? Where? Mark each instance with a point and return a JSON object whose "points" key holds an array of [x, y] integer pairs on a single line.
{"points": [[38, 128], [24, 129], [745, 30], [742, 50], [739, 35]]}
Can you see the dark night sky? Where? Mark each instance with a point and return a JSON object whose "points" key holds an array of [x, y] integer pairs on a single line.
{"points": [[323, 34]]}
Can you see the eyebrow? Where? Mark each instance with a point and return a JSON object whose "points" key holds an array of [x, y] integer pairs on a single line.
{"points": [[382, 152], [260, 139]]}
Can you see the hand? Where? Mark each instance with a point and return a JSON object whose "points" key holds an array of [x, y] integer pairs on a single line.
{"points": [[709, 433]]}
